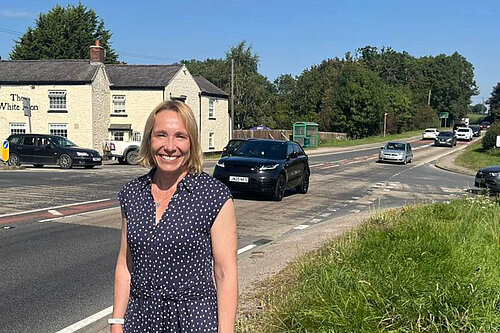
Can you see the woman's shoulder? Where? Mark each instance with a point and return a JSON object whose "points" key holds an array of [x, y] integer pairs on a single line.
{"points": [[207, 182]]}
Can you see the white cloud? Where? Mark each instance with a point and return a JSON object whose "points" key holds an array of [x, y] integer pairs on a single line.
{"points": [[16, 13]]}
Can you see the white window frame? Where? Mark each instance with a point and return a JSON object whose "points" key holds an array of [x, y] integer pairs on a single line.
{"points": [[211, 108], [59, 129], [211, 140], [117, 134], [17, 128], [118, 102], [136, 136], [57, 100]]}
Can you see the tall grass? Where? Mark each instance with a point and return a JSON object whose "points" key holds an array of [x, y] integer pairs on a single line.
{"points": [[432, 268]]}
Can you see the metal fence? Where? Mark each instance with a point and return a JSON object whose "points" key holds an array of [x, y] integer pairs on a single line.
{"points": [[282, 135]]}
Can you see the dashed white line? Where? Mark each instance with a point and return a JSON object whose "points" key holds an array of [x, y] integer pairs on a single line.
{"points": [[315, 220], [355, 211], [301, 227], [54, 212], [325, 215], [89, 320], [246, 248]]}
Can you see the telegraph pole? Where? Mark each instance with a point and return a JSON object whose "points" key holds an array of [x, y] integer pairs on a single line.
{"points": [[429, 98], [232, 99]]}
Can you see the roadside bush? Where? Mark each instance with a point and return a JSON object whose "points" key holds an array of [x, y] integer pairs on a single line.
{"points": [[491, 136], [425, 117]]}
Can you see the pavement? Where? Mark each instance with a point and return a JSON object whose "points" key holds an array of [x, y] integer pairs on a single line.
{"points": [[256, 267]]}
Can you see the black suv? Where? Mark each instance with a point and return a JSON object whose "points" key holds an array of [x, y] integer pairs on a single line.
{"points": [[41, 149], [265, 166]]}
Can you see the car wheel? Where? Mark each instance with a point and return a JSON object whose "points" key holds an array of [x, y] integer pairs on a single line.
{"points": [[65, 161], [279, 190], [89, 166], [14, 160], [38, 165], [132, 157], [304, 184]]}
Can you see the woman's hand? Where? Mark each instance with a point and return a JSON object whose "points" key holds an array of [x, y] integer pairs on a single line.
{"points": [[115, 328]]}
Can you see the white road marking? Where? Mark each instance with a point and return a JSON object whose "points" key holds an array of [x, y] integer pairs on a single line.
{"points": [[315, 220], [63, 206], [316, 165], [387, 189], [356, 198], [349, 201], [324, 215], [54, 212], [355, 211], [302, 227], [77, 214], [246, 248], [87, 321], [332, 209]]}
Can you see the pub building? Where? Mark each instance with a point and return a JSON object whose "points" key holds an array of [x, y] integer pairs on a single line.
{"points": [[89, 102]]}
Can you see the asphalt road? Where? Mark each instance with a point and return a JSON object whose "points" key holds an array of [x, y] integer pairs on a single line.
{"points": [[61, 271]]}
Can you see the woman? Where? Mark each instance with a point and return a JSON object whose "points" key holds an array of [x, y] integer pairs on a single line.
{"points": [[178, 232]]}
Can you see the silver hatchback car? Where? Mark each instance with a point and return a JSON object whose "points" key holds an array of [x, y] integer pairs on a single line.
{"points": [[396, 151]]}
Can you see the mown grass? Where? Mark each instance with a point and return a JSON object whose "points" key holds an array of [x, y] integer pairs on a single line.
{"points": [[475, 157], [371, 139], [433, 268]]}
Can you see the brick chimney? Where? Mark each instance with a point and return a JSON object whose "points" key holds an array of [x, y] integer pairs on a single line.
{"points": [[97, 52]]}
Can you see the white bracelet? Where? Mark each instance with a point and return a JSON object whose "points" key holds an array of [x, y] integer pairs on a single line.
{"points": [[119, 321]]}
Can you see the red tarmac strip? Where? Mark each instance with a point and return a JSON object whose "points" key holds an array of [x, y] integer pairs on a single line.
{"points": [[65, 211]]}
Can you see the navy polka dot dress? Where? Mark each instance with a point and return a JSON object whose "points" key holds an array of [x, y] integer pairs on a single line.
{"points": [[172, 285]]}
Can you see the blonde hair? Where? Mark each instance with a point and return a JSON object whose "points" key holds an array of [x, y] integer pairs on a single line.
{"points": [[195, 161]]}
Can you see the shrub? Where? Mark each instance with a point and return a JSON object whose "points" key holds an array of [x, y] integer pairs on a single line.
{"points": [[491, 136]]}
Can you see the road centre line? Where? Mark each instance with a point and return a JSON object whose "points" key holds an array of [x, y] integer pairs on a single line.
{"points": [[302, 227], [54, 212], [246, 248], [56, 207]]}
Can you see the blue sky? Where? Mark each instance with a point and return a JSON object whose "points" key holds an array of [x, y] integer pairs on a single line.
{"points": [[289, 36]]}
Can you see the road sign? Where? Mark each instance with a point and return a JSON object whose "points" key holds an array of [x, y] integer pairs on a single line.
{"points": [[5, 151], [27, 106], [444, 115], [498, 141]]}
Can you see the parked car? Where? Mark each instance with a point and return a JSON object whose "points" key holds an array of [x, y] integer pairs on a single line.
{"points": [[485, 125], [488, 177], [446, 139], [464, 133], [126, 152], [430, 133], [231, 146], [265, 166], [42, 149], [476, 129], [396, 151]]}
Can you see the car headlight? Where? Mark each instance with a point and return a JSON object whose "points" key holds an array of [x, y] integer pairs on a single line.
{"points": [[494, 174], [220, 164], [81, 153], [268, 167]]}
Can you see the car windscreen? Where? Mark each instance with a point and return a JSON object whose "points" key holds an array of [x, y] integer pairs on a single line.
{"points": [[262, 149], [395, 146], [463, 130], [430, 130], [62, 142], [446, 134], [475, 127]]}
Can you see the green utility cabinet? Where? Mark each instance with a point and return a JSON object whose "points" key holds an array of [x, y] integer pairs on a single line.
{"points": [[306, 133]]}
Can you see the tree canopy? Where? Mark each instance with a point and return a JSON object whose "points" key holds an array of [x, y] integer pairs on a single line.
{"points": [[494, 102], [64, 33]]}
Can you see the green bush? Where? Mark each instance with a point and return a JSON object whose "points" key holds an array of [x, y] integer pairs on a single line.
{"points": [[491, 136]]}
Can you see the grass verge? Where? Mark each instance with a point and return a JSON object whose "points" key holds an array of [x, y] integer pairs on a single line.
{"points": [[432, 268], [372, 139], [475, 158], [476, 118]]}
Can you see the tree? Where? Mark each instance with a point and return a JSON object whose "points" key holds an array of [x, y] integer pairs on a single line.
{"points": [[494, 102], [479, 108], [64, 33]]}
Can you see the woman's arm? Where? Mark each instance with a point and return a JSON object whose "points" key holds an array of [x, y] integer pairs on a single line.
{"points": [[224, 247], [122, 279]]}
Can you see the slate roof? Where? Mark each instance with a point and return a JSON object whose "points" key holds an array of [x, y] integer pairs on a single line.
{"points": [[208, 88], [47, 71], [141, 76]]}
